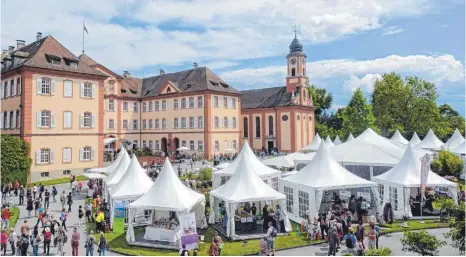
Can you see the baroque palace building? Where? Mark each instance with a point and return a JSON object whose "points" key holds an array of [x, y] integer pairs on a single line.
{"points": [[67, 106]]}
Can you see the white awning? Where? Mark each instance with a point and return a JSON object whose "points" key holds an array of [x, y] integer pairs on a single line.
{"points": [[109, 140]]}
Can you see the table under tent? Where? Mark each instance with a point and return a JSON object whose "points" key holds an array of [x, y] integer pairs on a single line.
{"points": [[114, 177], [169, 202], [430, 142], [269, 175], [245, 188], [321, 185], [134, 183], [400, 188]]}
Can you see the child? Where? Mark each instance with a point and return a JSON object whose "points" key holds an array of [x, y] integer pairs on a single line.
{"points": [[263, 247], [80, 215], [361, 247]]}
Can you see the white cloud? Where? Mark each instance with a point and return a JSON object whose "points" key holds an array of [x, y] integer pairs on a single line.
{"points": [[366, 83], [392, 30], [438, 69], [220, 65], [218, 31]]}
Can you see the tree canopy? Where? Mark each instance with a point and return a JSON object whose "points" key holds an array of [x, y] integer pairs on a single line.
{"points": [[421, 242], [15, 159], [357, 116]]}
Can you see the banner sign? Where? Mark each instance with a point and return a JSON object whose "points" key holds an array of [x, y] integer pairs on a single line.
{"points": [[120, 209], [188, 231]]}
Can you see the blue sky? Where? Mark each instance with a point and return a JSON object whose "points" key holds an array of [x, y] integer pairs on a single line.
{"points": [[349, 43]]}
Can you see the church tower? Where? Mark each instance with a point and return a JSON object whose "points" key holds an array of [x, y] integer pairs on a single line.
{"points": [[296, 66]]}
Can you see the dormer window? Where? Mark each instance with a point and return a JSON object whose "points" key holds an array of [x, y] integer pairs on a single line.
{"points": [[169, 90], [71, 63], [53, 59]]}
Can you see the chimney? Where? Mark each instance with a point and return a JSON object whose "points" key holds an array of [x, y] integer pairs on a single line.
{"points": [[20, 43], [39, 36], [162, 72], [11, 49], [126, 74], [195, 65]]}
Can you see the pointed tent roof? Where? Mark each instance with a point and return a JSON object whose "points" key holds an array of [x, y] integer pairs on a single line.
{"points": [[415, 139], [408, 173], [324, 172], [246, 186], [134, 183], [315, 143], [284, 160], [455, 140], [461, 149], [328, 141], [337, 140], [261, 169], [119, 171], [399, 138], [110, 168], [430, 141], [350, 137], [168, 193]]}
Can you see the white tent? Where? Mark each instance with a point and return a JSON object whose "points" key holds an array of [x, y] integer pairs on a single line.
{"points": [[222, 165], [167, 194], [337, 140], [328, 141], [286, 161], [315, 144], [114, 177], [415, 139], [399, 138], [350, 137], [321, 174], [109, 140], [455, 140], [91, 175], [461, 149], [110, 168], [264, 171], [430, 141], [399, 180], [244, 186], [134, 183]]}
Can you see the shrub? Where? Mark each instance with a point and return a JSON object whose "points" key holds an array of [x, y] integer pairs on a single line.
{"points": [[15, 160], [447, 164], [379, 252], [421, 242], [147, 151], [205, 174]]}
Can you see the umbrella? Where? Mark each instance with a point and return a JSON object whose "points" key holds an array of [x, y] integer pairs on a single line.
{"points": [[183, 148]]}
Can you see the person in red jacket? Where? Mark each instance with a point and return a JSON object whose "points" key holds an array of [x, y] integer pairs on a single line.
{"points": [[5, 218], [3, 241]]}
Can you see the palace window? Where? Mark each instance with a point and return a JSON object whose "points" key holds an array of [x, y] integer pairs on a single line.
{"points": [[45, 87], [191, 122], [183, 122], [245, 127], [87, 120], [233, 103], [111, 105], [270, 126], [225, 102], [125, 124], [175, 122], [200, 101], [216, 101], [183, 103], [175, 103], [200, 122], [200, 145], [215, 122], [87, 90], [233, 122], [125, 106], [191, 102], [191, 145], [45, 155], [164, 105], [258, 127], [45, 118], [157, 125], [111, 124], [164, 123]]}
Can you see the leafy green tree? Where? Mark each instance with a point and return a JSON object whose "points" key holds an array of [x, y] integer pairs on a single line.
{"points": [[15, 160], [321, 99], [408, 105], [447, 163], [421, 242], [357, 116], [449, 121], [205, 174], [457, 226]]}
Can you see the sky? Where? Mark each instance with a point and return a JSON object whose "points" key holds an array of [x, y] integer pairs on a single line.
{"points": [[348, 43]]}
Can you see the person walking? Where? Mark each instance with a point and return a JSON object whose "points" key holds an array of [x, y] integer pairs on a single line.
{"points": [[332, 241], [351, 242], [372, 236], [360, 232], [90, 240], [12, 239], [34, 191], [63, 199], [21, 195], [75, 242], [29, 206], [88, 209], [24, 245], [278, 219], [69, 201], [37, 205], [102, 244], [3, 241], [80, 216], [47, 240], [41, 191], [63, 218], [271, 234], [46, 199], [35, 244], [6, 218], [54, 194], [60, 241]]}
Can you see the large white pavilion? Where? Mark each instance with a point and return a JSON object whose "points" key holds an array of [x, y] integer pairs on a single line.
{"points": [[430, 142], [110, 168], [305, 190], [399, 138], [415, 139], [402, 181], [455, 140], [114, 177]]}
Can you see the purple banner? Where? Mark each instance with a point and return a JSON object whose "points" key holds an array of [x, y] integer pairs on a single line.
{"points": [[189, 240]]}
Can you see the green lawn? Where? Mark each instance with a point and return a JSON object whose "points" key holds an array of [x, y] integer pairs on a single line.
{"points": [[52, 182], [412, 225], [14, 216]]}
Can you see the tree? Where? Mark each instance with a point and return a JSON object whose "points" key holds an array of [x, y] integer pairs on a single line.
{"points": [[357, 116], [408, 105], [379, 252], [449, 121], [457, 226], [447, 163], [205, 174], [421, 242], [15, 159], [320, 99]]}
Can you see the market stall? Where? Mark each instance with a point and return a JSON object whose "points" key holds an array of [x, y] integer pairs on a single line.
{"points": [[113, 179], [430, 142], [134, 183], [237, 196], [176, 211], [307, 189], [263, 171], [399, 138], [400, 185], [111, 168]]}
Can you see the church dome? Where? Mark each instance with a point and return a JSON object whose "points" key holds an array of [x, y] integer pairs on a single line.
{"points": [[296, 46]]}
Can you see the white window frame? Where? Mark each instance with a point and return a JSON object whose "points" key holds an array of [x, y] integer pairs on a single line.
{"points": [[164, 105], [135, 125], [216, 122], [289, 198], [217, 145], [183, 122], [183, 103], [191, 122], [87, 154], [151, 126], [87, 120], [233, 103], [215, 101], [233, 122], [87, 90], [111, 124], [225, 122], [157, 124], [164, 123], [191, 102], [176, 123], [125, 124], [125, 106], [67, 155], [200, 145], [111, 105], [191, 145], [175, 104], [200, 122], [45, 118], [303, 208], [135, 106], [45, 155], [46, 86], [233, 145], [200, 101], [225, 102], [150, 106], [156, 106]]}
